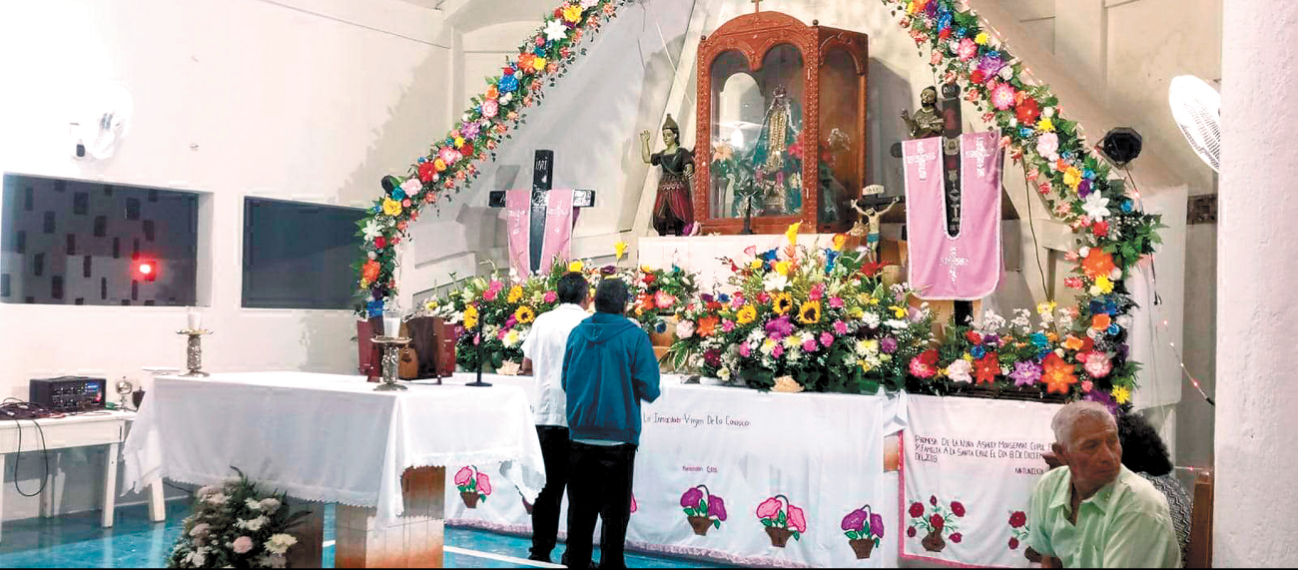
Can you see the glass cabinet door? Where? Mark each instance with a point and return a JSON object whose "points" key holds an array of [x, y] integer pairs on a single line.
{"points": [[842, 152]]}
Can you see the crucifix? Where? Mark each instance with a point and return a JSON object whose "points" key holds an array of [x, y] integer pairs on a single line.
{"points": [[542, 213]]}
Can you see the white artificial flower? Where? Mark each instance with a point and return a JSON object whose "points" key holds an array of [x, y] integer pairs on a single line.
{"points": [[280, 543], [269, 506], [506, 98], [252, 504], [512, 339], [198, 559], [412, 187], [1083, 251], [253, 525], [1048, 112], [768, 346], [724, 374], [1096, 206], [776, 282], [217, 499], [871, 320], [896, 324], [199, 530], [555, 31], [960, 371], [1124, 321], [370, 231], [372, 255], [1007, 72], [1116, 274]]}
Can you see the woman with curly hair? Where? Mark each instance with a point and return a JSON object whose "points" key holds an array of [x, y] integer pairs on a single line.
{"points": [[1144, 453]]}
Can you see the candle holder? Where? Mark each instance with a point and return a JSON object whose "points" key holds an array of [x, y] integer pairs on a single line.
{"points": [[194, 353], [391, 356]]}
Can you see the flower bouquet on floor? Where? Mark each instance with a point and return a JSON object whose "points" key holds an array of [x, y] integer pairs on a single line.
{"points": [[815, 319], [235, 525], [1059, 359]]}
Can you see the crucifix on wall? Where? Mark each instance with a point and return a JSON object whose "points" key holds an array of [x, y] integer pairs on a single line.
{"points": [[540, 221]]}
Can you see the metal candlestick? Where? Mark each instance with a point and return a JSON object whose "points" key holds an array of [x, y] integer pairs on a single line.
{"points": [[194, 351], [391, 356]]}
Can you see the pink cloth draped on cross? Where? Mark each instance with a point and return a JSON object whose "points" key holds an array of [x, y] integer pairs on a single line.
{"points": [[560, 217]]}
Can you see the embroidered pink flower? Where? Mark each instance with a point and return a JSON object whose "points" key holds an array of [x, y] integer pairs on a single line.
{"points": [[464, 476], [242, 545], [797, 520], [1003, 96], [967, 50], [769, 509], [484, 484]]}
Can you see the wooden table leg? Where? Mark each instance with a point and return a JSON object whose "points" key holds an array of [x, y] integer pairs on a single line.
{"points": [[413, 541], [157, 503], [110, 484]]}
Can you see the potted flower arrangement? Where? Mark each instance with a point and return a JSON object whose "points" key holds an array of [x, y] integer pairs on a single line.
{"points": [[236, 525], [1057, 359], [473, 485], [659, 295], [864, 530], [782, 520], [936, 522], [820, 316], [703, 510], [1019, 532]]}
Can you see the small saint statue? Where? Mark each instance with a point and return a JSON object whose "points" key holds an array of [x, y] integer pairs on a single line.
{"points": [[927, 121], [673, 211], [868, 224]]}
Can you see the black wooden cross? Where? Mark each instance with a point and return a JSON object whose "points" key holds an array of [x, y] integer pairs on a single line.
{"points": [[952, 126], [542, 181]]}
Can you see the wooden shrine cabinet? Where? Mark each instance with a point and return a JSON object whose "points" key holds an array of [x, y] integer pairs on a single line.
{"points": [[781, 118]]}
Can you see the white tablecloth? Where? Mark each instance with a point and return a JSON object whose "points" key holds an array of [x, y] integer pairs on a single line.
{"points": [[327, 438]]}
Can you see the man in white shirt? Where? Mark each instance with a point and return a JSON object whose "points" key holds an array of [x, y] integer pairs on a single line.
{"points": [[543, 351]]}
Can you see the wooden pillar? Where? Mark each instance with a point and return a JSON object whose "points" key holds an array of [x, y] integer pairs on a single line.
{"points": [[415, 540]]}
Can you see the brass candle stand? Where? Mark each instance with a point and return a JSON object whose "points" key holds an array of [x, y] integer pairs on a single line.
{"points": [[391, 357], [194, 353]]}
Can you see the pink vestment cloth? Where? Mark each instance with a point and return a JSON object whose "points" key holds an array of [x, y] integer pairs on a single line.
{"points": [[560, 216], [966, 267]]}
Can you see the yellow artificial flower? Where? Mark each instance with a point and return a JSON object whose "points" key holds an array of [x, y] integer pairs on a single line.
{"points": [[391, 207], [792, 233], [620, 249], [1046, 308], [572, 13], [809, 314], [899, 311], [865, 366], [967, 357], [782, 267], [1122, 395], [874, 300], [539, 64], [459, 142], [1046, 125], [431, 305], [515, 294], [746, 315], [471, 317], [576, 267], [793, 341], [782, 303], [756, 264], [911, 8], [856, 313], [840, 240], [1072, 177], [981, 38], [525, 315], [1104, 283], [439, 164]]}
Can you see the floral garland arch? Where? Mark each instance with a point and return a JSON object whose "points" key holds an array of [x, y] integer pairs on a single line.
{"points": [[1114, 233], [450, 165]]}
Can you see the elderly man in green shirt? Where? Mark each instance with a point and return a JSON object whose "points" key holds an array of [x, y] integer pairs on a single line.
{"points": [[1093, 512]]}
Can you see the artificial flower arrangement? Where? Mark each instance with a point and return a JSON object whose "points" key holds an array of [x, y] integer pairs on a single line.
{"points": [[235, 525], [660, 294], [451, 162], [817, 317], [1060, 358]]}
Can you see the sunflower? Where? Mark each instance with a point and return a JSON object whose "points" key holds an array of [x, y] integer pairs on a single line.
{"points": [[470, 317], [809, 314], [525, 315], [515, 294], [782, 303], [747, 315]]}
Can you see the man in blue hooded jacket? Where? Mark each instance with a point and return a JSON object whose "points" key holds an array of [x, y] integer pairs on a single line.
{"points": [[608, 368]]}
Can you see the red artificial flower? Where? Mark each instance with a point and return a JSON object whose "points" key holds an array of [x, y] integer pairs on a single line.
{"points": [[507, 70], [380, 242], [1100, 229], [957, 537], [978, 76], [1018, 519], [426, 171], [944, 34], [916, 510], [973, 337], [1073, 282], [1028, 111], [649, 278], [467, 149], [1014, 543], [937, 522], [958, 508], [871, 269], [985, 370]]}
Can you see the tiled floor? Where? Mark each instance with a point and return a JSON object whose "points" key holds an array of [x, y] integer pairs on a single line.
{"points": [[77, 541]]}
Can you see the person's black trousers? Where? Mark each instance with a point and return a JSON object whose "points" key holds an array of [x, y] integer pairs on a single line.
{"points": [[599, 485], [545, 513]]}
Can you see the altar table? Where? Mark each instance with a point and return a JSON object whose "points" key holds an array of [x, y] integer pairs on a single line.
{"points": [[333, 439]]}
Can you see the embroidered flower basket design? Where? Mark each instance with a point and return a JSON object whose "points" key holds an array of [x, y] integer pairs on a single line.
{"points": [[938, 522], [782, 520], [473, 485], [703, 510], [864, 531], [1019, 531]]}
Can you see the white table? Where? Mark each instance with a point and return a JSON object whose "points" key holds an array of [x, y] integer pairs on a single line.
{"points": [[102, 428]]}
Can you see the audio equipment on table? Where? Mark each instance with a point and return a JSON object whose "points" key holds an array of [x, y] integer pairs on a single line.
{"points": [[69, 394]]}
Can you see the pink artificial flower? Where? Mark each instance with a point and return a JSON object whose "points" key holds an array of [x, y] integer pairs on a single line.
{"points": [[840, 327], [490, 294], [817, 292], [484, 484], [1098, 364], [778, 351], [737, 301], [464, 476], [550, 297], [664, 300], [1048, 146], [1003, 96], [728, 325], [826, 339], [836, 303], [1073, 282], [769, 509], [242, 545], [1087, 386], [744, 350], [490, 108], [936, 58], [448, 155], [809, 345], [763, 297], [967, 50], [634, 506], [684, 329], [797, 520]]}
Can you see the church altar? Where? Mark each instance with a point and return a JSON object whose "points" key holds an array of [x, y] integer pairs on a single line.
{"points": [[322, 438]]}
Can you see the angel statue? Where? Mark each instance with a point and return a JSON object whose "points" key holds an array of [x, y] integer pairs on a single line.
{"points": [[673, 211]]}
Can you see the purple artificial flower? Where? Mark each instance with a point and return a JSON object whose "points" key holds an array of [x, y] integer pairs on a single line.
{"points": [[888, 345], [856, 520], [691, 498], [991, 65], [717, 508], [1104, 398], [469, 131], [706, 298], [992, 340], [876, 525], [1026, 373], [712, 357], [607, 270], [779, 328], [1084, 188]]}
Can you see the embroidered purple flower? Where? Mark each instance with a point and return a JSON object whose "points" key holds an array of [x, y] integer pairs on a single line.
{"points": [[876, 525], [1026, 373], [855, 520], [888, 345], [717, 508], [691, 498]]}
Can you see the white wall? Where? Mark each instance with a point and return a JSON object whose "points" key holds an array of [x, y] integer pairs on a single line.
{"points": [[310, 100]]}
